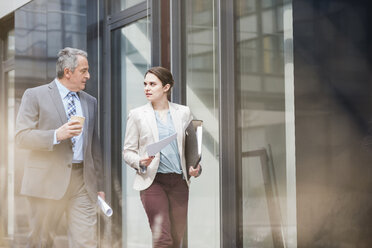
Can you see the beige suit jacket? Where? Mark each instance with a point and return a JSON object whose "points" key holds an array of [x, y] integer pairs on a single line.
{"points": [[48, 167], [142, 130]]}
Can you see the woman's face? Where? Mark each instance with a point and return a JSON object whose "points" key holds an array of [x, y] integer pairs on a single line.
{"points": [[154, 89]]}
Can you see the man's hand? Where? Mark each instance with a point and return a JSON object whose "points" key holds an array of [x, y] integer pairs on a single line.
{"points": [[68, 130], [101, 194], [194, 172]]}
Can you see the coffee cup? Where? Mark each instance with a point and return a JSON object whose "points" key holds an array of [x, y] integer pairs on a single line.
{"points": [[80, 119]]}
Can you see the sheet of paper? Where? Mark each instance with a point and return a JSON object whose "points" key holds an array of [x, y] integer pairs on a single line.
{"points": [[199, 135], [154, 148], [106, 209]]}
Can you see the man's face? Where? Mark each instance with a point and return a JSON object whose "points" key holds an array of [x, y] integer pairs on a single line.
{"points": [[79, 77]]}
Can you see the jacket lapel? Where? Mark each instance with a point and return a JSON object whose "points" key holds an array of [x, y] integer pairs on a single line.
{"points": [[177, 122], [56, 98], [85, 109], [151, 120]]}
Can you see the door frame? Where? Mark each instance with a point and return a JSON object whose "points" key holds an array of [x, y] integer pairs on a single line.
{"points": [[111, 96]]}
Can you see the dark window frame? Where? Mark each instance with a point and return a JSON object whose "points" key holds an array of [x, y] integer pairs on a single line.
{"points": [[229, 162]]}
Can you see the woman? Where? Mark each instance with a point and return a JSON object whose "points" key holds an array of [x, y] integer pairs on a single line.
{"points": [[162, 179]]}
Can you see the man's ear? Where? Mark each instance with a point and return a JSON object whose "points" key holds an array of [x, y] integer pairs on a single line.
{"points": [[67, 73]]}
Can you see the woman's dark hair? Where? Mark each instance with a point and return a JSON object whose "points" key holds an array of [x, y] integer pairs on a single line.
{"points": [[164, 75]]}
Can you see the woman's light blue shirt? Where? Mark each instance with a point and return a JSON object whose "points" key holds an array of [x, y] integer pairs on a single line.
{"points": [[169, 157]]}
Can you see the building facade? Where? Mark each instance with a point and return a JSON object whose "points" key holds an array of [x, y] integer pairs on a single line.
{"points": [[283, 88]]}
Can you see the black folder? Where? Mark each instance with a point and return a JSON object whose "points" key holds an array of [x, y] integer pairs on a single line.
{"points": [[192, 154]]}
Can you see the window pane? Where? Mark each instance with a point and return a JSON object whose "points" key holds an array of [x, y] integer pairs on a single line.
{"points": [[119, 5], [266, 128], [202, 98], [9, 79], [10, 45]]}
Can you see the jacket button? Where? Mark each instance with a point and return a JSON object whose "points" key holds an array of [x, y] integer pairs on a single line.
{"points": [[69, 165]]}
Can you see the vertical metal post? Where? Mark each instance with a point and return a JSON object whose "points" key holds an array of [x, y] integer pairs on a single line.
{"points": [[155, 33], [228, 158], [178, 49]]}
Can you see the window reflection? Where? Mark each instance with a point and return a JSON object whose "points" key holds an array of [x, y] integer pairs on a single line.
{"points": [[266, 212], [202, 98], [119, 5], [245, 7], [10, 45]]}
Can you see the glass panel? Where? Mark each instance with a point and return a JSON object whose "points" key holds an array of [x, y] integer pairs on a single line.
{"points": [[202, 97], [66, 26], [3, 153], [42, 29], [266, 127], [31, 44], [245, 7], [10, 45], [119, 5], [3, 170], [9, 77], [268, 3], [132, 59], [7, 159]]}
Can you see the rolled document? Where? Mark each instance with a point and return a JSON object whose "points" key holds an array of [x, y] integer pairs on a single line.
{"points": [[106, 209]]}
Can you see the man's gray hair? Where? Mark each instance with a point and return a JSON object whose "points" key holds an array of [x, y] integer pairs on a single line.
{"points": [[67, 58]]}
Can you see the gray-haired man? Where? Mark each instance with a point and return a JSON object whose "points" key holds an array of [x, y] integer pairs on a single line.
{"points": [[63, 173]]}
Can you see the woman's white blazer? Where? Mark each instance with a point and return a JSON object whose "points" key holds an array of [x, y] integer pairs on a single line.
{"points": [[142, 130]]}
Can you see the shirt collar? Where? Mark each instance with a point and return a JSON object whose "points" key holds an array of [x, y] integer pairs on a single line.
{"points": [[63, 90]]}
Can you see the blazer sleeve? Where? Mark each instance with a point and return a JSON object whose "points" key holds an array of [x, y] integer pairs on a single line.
{"points": [[28, 136], [96, 151], [131, 142]]}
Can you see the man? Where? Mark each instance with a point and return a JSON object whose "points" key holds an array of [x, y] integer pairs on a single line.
{"points": [[63, 173]]}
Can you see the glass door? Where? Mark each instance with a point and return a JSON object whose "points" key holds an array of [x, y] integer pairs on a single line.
{"points": [[130, 59], [202, 96], [135, 60]]}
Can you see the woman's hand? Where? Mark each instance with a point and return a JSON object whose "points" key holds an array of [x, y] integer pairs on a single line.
{"points": [[195, 172], [146, 161]]}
